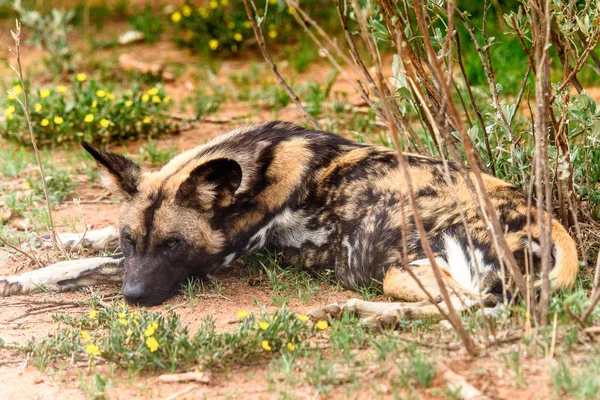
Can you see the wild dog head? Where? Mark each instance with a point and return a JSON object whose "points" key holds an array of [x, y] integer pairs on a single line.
{"points": [[167, 220]]}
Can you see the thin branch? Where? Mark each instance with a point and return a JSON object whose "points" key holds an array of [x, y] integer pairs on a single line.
{"points": [[30, 256], [263, 48], [25, 104]]}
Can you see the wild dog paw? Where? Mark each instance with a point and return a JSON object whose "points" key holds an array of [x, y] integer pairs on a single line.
{"points": [[9, 287], [333, 310]]}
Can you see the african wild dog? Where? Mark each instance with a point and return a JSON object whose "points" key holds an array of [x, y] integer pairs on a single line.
{"points": [[315, 197]]}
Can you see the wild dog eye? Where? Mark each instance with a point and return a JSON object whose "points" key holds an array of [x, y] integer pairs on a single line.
{"points": [[171, 243], [128, 240]]}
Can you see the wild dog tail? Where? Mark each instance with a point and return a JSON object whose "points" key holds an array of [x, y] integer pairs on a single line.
{"points": [[566, 263]]}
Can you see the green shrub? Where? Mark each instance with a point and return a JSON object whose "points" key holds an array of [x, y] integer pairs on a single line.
{"points": [[88, 111], [222, 27]]}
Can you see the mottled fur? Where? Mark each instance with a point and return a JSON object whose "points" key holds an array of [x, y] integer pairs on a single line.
{"points": [[322, 200]]}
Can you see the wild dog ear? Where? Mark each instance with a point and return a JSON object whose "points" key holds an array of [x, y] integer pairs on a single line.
{"points": [[119, 174], [210, 185]]}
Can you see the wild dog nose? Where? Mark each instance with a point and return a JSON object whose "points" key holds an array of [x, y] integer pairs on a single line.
{"points": [[135, 294]]}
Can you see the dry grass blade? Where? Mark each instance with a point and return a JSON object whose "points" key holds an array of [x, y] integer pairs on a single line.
{"points": [[16, 35]]}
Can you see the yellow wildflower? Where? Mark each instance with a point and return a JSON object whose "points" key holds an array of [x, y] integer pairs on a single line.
{"points": [[94, 103], [272, 34], [147, 120], [17, 90], [92, 349], [45, 122], [27, 185], [186, 10], [85, 335], [291, 346], [203, 13], [128, 103], [93, 314], [263, 325], [129, 332], [176, 17], [155, 325], [247, 24], [242, 314], [322, 325], [166, 98], [145, 98], [149, 331], [213, 44], [224, 3], [61, 89], [303, 317], [238, 37], [291, 11], [81, 77], [272, 1], [122, 321], [152, 344], [152, 91], [265, 345], [110, 96], [104, 123], [213, 4], [44, 93], [58, 120], [9, 111], [38, 107], [231, 24], [11, 97], [122, 315], [88, 118], [156, 99], [100, 93]]}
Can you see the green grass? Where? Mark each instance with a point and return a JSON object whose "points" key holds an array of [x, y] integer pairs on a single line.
{"points": [[285, 281]]}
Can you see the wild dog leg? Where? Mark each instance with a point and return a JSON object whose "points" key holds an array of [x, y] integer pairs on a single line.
{"points": [[65, 275], [101, 239], [399, 284]]}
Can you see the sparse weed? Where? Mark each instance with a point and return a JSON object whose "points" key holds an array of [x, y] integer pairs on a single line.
{"points": [[13, 161], [147, 22], [149, 153]]}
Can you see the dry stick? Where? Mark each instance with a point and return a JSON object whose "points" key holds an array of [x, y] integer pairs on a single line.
{"points": [[486, 137], [490, 77], [488, 211], [356, 85], [362, 68], [454, 318], [540, 16], [263, 48], [30, 256], [579, 322], [593, 54], [596, 275], [593, 302], [25, 104], [450, 183]]}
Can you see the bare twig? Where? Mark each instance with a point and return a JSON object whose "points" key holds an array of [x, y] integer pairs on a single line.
{"points": [[263, 48], [25, 104], [30, 256]]}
